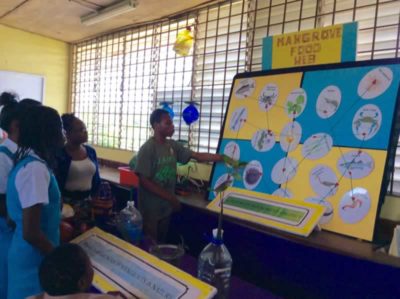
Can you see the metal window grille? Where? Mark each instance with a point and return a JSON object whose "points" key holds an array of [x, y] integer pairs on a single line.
{"points": [[119, 78]]}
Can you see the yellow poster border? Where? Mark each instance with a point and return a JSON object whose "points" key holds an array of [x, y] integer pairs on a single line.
{"points": [[206, 291], [316, 211]]}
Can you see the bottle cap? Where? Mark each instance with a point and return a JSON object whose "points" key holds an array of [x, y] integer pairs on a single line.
{"points": [[215, 239]]}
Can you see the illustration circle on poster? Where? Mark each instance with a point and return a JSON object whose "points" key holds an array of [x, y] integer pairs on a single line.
{"points": [[323, 181], [245, 88], [238, 118], [268, 97], [328, 101], [355, 164], [283, 192], [296, 102], [223, 179], [328, 214], [252, 174], [316, 146], [263, 140], [290, 136], [367, 122], [232, 150], [354, 205], [284, 170], [375, 82]]}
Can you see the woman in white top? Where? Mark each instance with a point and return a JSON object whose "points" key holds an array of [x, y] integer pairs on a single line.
{"points": [[77, 167]]}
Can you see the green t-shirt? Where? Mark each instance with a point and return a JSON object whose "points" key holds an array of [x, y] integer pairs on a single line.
{"points": [[157, 162]]}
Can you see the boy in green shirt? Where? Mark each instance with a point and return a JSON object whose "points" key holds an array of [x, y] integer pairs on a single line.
{"points": [[156, 167]]}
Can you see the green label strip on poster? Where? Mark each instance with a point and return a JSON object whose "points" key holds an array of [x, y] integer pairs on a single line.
{"points": [[287, 214]]}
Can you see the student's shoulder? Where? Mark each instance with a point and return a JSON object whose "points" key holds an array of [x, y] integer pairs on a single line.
{"points": [[148, 145], [89, 149]]}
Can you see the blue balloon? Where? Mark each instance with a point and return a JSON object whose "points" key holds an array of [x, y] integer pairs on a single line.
{"points": [[190, 114], [166, 107]]}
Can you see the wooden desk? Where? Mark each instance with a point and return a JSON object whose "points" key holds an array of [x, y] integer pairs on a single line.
{"points": [[323, 265]]}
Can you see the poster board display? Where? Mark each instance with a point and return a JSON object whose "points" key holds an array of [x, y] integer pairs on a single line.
{"points": [[320, 134], [120, 266]]}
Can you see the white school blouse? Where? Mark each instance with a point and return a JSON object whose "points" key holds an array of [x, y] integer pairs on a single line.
{"points": [[32, 183], [6, 163]]}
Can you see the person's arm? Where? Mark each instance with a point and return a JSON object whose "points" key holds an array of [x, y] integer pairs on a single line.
{"points": [[31, 229], [32, 185], [96, 180], [207, 157], [159, 191]]}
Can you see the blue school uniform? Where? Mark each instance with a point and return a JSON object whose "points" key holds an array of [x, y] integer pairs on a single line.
{"points": [[23, 258], [7, 150]]}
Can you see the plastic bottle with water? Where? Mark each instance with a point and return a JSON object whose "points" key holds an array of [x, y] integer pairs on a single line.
{"points": [[215, 266], [130, 223]]}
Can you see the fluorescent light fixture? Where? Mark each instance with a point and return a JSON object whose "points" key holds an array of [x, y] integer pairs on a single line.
{"points": [[109, 12]]}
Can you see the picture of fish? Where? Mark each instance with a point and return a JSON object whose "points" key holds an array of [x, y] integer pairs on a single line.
{"points": [[245, 88], [239, 116], [356, 165]]}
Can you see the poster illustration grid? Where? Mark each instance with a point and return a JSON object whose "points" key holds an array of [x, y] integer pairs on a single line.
{"points": [[319, 134]]}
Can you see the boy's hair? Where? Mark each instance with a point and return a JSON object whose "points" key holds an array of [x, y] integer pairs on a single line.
{"points": [[67, 120], [156, 116], [62, 269]]}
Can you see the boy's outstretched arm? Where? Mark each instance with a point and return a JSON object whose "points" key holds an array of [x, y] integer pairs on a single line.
{"points": [[159, 191], [207, 157]]}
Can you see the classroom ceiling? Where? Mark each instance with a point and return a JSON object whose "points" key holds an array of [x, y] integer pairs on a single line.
{"points": [[60, 19]]}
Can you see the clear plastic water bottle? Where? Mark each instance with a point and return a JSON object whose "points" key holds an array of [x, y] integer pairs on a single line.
{"points": [[130, 223], [215, 266]]}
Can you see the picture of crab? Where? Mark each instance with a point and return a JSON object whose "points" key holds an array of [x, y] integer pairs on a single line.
{"points": [[367, 121], [268, 100]]}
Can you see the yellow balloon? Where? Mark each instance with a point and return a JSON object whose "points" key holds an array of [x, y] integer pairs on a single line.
{"points": [[184, 42]]}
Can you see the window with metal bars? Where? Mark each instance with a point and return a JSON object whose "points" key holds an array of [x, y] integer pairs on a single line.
{"points": [[119, 78]]}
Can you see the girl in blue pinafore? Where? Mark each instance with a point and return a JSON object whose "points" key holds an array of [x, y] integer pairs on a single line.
{"points": [[7, 150], [33, 200], [9, 118]]}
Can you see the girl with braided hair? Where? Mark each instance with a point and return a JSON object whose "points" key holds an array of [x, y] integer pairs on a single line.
{"points": [[33, 199]]}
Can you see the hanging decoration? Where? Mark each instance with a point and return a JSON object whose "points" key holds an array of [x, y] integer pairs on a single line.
{"points": [[184, 42], [166, 106], [190, 114]]}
